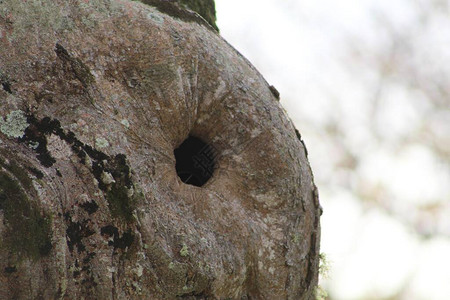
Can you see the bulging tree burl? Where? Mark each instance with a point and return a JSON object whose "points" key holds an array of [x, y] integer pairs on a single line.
{"points": [[142, 157]]}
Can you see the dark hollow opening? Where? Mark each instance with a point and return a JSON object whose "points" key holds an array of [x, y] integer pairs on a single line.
{"points": [[195, 161]]}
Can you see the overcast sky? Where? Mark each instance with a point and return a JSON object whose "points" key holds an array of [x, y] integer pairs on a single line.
{"points": [[302, 48]]}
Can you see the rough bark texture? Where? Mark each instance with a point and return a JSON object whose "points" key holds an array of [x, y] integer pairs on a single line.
{"points": [[94, 98]]}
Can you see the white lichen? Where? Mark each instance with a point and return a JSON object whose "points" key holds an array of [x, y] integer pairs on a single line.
{"points": [[295, 238], [107, 178], [88, 162], [184, 250], [125, 123], [324, 265], [139, 270], [14, 125], [33, 145], [63, 287], [130, 192], [101, 143], [321, 293], [187, 288]]}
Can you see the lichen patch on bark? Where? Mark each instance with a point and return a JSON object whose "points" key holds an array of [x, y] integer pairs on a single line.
{"points": [[14, 124]]}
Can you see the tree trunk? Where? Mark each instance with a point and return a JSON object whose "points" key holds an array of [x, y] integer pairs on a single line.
{"points": [[142, 157]]}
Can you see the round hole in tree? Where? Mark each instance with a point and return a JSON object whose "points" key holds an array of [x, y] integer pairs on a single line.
{"points": [[195, 161]]}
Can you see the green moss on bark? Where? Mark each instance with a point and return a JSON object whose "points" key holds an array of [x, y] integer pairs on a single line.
{"points": [[20, 173], [205, 8], [180, 9], [28, 233], [120, 203]]}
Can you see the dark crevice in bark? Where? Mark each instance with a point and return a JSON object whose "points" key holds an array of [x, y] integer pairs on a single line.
{"points": [[36, 172], [90, 207], [76, 232], [79, 69], [10, 270], [35, 138], [5, 82], [117, 192], [274, 92], [118, 242], [6, 86]]}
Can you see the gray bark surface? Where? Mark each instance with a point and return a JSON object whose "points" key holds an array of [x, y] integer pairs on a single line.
{"points": [[94, 98]]}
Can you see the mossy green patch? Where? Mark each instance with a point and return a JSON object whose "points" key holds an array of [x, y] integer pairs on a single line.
{"points": [[120, 193], [19, 173], [177, 10], [184, 250], [28, 233], [205, 8], [120, 203]]}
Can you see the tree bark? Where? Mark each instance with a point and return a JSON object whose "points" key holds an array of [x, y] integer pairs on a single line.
{"points": [[95, 96]]}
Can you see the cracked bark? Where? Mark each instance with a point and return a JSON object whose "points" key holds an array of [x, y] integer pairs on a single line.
{"points": [[91, 205]]}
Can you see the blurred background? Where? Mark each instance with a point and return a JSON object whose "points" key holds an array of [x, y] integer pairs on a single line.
{"points": [[367, 83]]}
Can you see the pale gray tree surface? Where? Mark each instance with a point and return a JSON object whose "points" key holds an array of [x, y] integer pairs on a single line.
{"points": [[100, 198]]}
